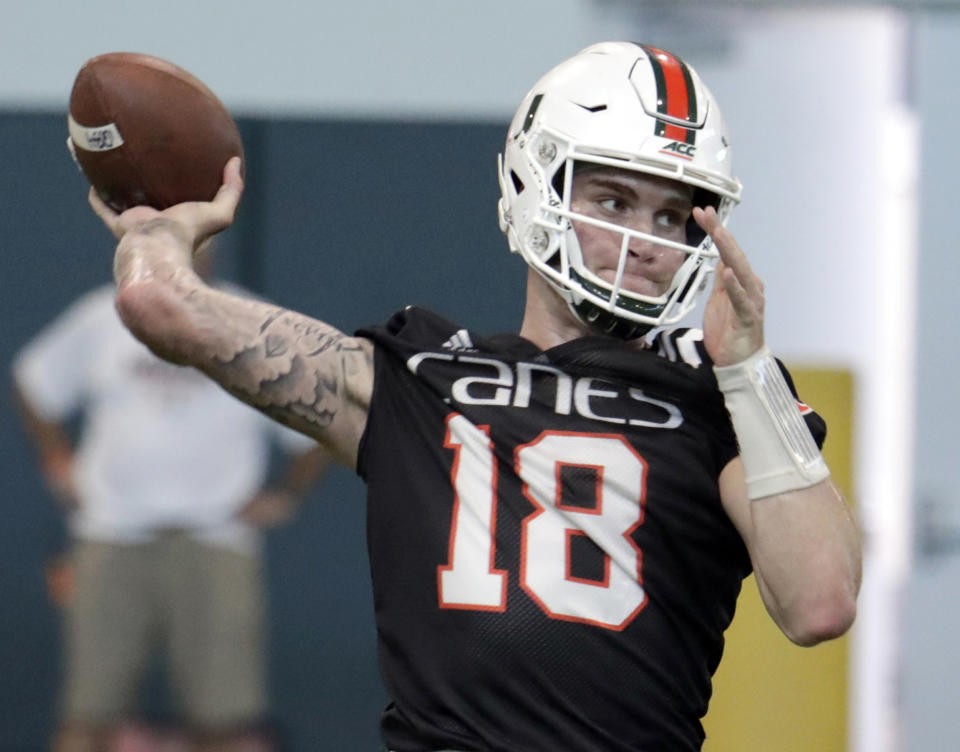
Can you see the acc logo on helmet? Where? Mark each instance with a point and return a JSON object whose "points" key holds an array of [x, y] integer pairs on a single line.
{"points": [[680, 149]]}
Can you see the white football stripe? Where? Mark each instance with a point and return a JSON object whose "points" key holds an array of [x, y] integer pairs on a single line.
{"points": [[98, 138]]}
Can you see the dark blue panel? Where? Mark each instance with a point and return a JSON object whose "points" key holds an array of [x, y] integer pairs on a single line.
{"points": [[343, 220], [53, 249], [364, 218]]}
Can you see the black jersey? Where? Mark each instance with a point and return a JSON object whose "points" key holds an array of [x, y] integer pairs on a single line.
{"points": [[551, 563]]}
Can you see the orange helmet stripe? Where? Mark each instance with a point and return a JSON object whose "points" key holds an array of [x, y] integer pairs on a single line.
{"points": [[676, 97]]}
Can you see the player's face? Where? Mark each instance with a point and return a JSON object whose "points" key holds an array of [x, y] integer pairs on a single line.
{"points": [[650, 204]]}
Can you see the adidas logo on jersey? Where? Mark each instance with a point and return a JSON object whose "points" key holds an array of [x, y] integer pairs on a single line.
{"points": [[459, 342]]}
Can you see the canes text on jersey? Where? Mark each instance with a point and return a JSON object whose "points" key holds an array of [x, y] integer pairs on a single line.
{"points": [[489, 381]]}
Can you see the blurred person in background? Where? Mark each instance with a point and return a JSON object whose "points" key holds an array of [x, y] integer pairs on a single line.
{"points": [[167, 481]]}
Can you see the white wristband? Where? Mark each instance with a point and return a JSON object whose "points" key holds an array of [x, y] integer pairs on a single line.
{"points": [[776, 447]]}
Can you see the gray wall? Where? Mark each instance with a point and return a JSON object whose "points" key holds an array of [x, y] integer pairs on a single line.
{"points": [[931, 612]]}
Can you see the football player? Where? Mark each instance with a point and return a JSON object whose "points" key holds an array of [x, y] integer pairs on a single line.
{"points": [[559, 520]]}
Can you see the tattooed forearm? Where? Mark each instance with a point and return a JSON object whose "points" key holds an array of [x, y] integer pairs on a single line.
{"points": [[316, 338], [288, 365], [158, 248], [314, 396], [298, 370]]}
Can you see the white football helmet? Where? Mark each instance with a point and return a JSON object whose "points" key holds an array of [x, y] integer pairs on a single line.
{"points": [[629, 106]]}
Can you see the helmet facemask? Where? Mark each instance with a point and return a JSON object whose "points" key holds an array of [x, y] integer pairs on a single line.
{"points": [[536, 178]]}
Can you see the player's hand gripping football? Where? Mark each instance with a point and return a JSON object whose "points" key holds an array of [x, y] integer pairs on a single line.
{"points": [[733, 318], [193, 222]]}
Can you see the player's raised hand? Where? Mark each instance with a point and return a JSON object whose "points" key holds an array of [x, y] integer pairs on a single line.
{"points": [[193, 221], [733, 319]]}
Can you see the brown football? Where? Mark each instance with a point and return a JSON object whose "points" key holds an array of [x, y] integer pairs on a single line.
{"points": [[145, 131]]}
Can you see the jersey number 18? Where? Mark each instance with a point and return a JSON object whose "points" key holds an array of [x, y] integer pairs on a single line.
{"points": [[469, 579]]}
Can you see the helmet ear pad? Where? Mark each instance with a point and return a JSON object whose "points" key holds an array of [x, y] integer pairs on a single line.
{"points": [[702, 198]]}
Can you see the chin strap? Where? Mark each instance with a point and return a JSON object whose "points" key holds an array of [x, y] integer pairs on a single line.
{"points": [[604, 322], [776, 447]]}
